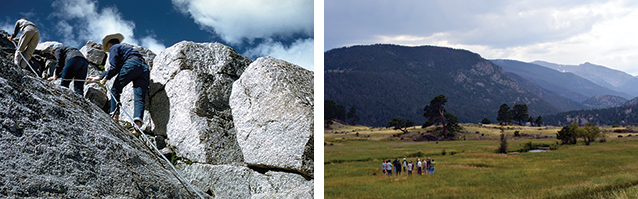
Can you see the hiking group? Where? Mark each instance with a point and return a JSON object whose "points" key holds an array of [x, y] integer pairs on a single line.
{"points": [[427, 167], [125, 62]]}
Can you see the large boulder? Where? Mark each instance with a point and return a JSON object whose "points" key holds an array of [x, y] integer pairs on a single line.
{"points": [[55, 144], [191, 85], [272, 105], [93, 53]]}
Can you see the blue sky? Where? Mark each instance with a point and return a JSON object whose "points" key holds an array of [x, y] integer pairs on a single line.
{"points": [[567, 32], [279, 28]]}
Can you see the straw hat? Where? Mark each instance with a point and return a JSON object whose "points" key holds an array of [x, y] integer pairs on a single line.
{"points": [[108, 38]]}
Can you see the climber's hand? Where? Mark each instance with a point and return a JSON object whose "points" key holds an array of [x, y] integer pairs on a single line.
{"points": [[92, 79]]}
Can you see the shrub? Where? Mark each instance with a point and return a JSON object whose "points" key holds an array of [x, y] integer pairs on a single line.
{"points": [[482, 134], [615, 126], [443, 152], [517, 134], [503, 147], [486, 121], [603, 139], [629, 135], [453, 152], [357, 134], [619, 136]]}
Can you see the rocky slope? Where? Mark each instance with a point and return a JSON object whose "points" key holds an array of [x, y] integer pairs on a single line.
{"points": [[605, 101], [56, 144], [189, 104]]}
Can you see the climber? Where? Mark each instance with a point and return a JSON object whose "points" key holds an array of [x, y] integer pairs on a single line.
{"points": [[130, 66], [71, 65], [28, 40]]}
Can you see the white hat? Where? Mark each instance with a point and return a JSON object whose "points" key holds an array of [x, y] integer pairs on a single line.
{"points": [[108, 38]]}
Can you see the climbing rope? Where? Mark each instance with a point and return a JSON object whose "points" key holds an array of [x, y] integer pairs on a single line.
{"points": [[151, 143], [24, 58], [77, 80]]}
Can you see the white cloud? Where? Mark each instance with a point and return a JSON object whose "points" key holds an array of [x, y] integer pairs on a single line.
{"points": [[66, 31], [151, 43], [301, 52], [93, 24], [237, 20], [7, 26], [564, 32]]}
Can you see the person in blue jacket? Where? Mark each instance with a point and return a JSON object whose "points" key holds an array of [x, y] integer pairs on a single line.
{"points": [[129, 66], [71, 65]]}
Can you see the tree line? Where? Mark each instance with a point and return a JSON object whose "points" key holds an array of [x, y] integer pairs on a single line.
{"points": [[517, 113], [336, 111]]}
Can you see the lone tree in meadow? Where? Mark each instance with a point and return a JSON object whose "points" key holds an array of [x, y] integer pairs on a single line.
{"points": [[504, 114], [530, 120], [568, 134], [590, 132], [435, 113], [400, 124], [539, 121], [519, 113]]}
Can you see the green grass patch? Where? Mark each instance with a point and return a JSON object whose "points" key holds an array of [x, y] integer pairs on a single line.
{"points": [[600, 170]]}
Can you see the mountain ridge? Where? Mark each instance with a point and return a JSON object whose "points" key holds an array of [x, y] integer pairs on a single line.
{"points": [[604, 76], [385, 81]]}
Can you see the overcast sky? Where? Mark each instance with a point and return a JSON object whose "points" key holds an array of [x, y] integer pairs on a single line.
{"points": [[565, 32], [282, 29]]}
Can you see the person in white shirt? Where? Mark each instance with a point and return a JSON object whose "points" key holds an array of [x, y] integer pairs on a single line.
{"points": [[388, 167], [410, 167]]}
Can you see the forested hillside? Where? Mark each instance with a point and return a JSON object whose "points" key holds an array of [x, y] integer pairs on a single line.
{"points": [[387, 81]]}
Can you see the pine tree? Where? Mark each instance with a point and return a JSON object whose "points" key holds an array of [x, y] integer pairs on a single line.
{"points": [[504, 114]]}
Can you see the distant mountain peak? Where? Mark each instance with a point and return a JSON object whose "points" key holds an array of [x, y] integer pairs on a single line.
{"points": [[603, 76]]}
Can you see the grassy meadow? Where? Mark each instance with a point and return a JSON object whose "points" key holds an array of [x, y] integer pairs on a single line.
{"points": [[353, 157]]}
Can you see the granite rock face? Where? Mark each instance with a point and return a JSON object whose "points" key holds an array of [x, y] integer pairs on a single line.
{"points": [[227, 181], [191, 85], [272, 105], [56, 144], [191, 102], [61, 145], [93, 53]]}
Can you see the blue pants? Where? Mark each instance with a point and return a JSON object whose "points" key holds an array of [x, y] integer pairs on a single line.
{"points": [[136, 71], [75, 68]]}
